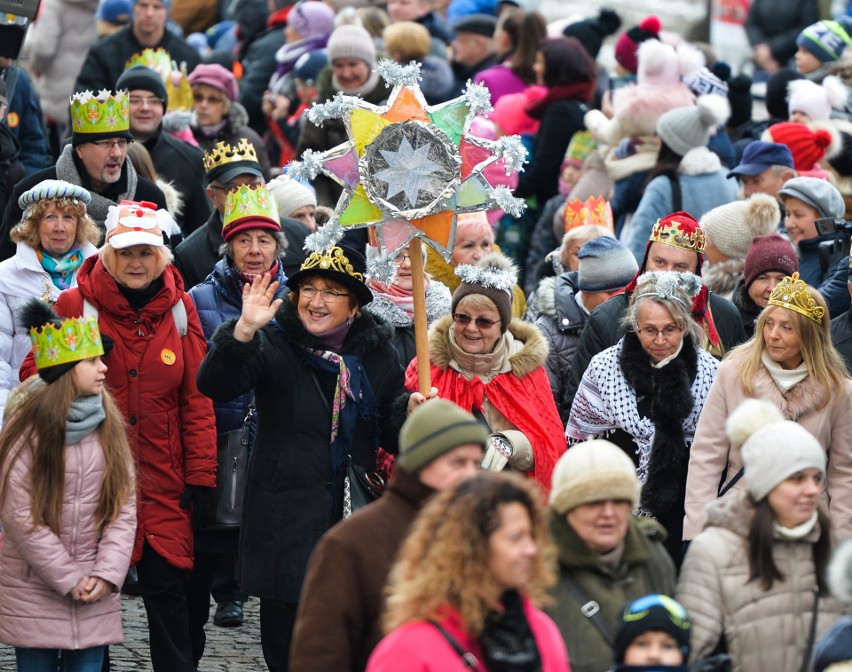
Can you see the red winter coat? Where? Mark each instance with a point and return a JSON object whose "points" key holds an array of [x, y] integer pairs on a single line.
{"points": [[171, 427]]}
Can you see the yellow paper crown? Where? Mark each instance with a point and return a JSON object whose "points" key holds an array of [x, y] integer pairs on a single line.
{"points": [[74, 340], [104, 113], [679, 230], [332, 259], [223, 154], [252, 206], [793, 293], [158, 60], [180, 93]]}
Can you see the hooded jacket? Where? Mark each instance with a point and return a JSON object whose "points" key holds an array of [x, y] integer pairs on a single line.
{"points": [[236, 128], [763, 629]]}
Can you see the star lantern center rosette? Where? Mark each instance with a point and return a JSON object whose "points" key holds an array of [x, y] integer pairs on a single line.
{"points": [[407, 170]]}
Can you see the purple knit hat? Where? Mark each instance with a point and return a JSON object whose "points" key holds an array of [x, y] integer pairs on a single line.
{"points": [[213, 74]]}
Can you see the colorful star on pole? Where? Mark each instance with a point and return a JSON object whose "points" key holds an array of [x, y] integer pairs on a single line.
{"points": [[408, 168]]}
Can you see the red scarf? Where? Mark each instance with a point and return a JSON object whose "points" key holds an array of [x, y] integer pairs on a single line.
{"points": [[582, 91]]}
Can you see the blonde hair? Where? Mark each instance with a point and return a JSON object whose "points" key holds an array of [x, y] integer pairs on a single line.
{"points": [[477, 302], [108, 256], [445, 558], [407, 41], [821, 358], [26, 231], [41, 420]]}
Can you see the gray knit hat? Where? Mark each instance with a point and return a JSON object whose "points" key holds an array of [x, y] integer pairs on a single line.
{"points": [[349, 41], [819, 194], [605, 265], [494, 277], [685, 128], [732, 227], [434, 429], [290, 194], [773, 448]]}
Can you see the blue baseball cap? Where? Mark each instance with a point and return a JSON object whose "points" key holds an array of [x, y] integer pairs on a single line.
{"points": [[759, 155]]}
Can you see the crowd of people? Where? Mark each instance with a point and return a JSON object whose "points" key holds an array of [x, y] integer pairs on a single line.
{"points": [[635, 451]]}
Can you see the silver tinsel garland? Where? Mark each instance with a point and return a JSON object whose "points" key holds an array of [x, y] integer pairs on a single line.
{"points": [[396, 74], [324, 238], [382, 269]]}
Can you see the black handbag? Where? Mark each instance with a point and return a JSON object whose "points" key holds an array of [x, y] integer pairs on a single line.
{"points": [[360, 487], [233, 450]]}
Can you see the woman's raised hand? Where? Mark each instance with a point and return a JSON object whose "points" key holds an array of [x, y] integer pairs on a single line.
{"points": [[259, 306]]}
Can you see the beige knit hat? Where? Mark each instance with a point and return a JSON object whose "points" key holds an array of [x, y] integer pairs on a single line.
{"points": [[592, 471], [290, 194], [730, 228]]}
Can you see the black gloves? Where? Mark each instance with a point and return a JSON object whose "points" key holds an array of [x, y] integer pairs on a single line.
{"points": [[201, 499]]}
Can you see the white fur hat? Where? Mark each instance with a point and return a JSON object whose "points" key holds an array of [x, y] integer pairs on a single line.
{"points": [[814, 100]]}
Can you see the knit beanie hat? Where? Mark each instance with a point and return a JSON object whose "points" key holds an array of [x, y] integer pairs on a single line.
{"points": [[730, 228], [167, 3], [652, 612], [349, 41], [627, 45], [145, 79], [704, 81], [819, 194], [807, 145], [290, 194], [592, 471], [685, 128], [592, 32], [495, 277], [213, 74], [825, 39], [773, 449], [434, 429], [778, 92], [740, 100], [771, 252], [605, 265], [581, 145], [310, 18], [114, 11], [817, 101]]}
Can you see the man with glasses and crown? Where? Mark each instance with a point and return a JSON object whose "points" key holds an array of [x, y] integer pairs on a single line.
{"points": [[96, 160]]}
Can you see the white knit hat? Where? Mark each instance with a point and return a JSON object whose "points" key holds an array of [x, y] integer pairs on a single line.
{"points": [[685, 128], [290, 194], [730, 228], [592, 471], [814, 100], [773, 448], [349, 41]]}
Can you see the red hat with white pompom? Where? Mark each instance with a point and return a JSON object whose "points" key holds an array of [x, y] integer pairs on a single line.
{"points": [[627, 45]]}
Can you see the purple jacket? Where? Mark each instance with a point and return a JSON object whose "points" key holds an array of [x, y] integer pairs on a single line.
{"points": [[500, 81], [39, 568]]}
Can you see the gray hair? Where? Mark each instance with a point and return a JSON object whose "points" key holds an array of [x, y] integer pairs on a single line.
{"points": [[674, 291], [227, 248]]}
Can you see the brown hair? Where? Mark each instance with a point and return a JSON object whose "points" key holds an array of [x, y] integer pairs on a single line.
{"points": [[26, 231], [38, 426], [525, 30], [444, 560], [141, 160]]}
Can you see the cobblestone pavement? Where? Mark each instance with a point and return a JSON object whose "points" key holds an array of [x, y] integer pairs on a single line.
{"points": [[227, 650]]}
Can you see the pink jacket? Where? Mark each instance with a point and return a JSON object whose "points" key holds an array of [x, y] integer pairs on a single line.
{"points": [[420, 646], [500, 81], [39, 568]]}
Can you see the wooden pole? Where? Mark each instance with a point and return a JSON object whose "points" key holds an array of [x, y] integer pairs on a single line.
{"points": [[421, 340]]}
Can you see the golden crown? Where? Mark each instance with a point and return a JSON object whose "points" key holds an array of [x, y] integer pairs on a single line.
{"points": [[223, 154], [683, 233], [179, 90], [159, 60], [793, 293], [102, 113], [332, 259], [74, 340]]}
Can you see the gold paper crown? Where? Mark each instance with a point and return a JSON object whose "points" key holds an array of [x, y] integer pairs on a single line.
{"points": [[74, 340], [180, 94], [678, 231], [223, 154], [332, 259], [793, 293], [104, 113], [158, 60]]}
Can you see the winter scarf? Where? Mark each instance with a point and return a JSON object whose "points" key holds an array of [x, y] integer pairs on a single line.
{"points": [[84, 417], [582, 91], [61, 270], [507, 640], [402, 298], [366, 88], [67, 169]]}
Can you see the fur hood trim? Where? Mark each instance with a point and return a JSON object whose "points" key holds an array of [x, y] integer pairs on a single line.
{"points": [[546, 297], [174, 199], [699, 161], [645, 158], [532, 354], [721, 278], [238, 118]]}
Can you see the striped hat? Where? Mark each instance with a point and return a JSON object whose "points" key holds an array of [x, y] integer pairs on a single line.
{"points": [[47, 189], [825, 39]]}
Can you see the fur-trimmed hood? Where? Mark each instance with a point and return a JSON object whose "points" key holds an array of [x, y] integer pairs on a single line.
{"points": [[722, 278], [699, 161], [529, 354], [174, 199]]}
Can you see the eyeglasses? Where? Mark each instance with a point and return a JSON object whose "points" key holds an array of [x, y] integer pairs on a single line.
{"points": [[150, 101], [213, 100], [482, 322], [401, 258], [328, 295], [667, 332], [638, 609], [230, 186], [121, 143]]}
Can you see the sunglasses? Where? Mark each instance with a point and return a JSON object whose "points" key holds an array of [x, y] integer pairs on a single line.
{"points": [[482, 322]]}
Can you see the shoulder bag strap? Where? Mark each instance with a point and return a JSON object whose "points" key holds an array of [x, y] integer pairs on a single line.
{"points": [[468, 659], [590, 609], [677, 193], [724, 487], [806, 660]]}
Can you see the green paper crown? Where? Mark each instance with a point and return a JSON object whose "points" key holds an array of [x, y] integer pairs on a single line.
{"points": [[159, 60], [250, 203], [74, 340], [104, 113]]}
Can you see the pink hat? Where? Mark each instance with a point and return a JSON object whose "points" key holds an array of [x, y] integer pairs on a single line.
{"points": [[310, 18], [213, 74]]}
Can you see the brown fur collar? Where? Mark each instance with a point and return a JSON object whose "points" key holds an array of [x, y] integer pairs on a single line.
{"points": [[532, 354], [800, 400]]}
